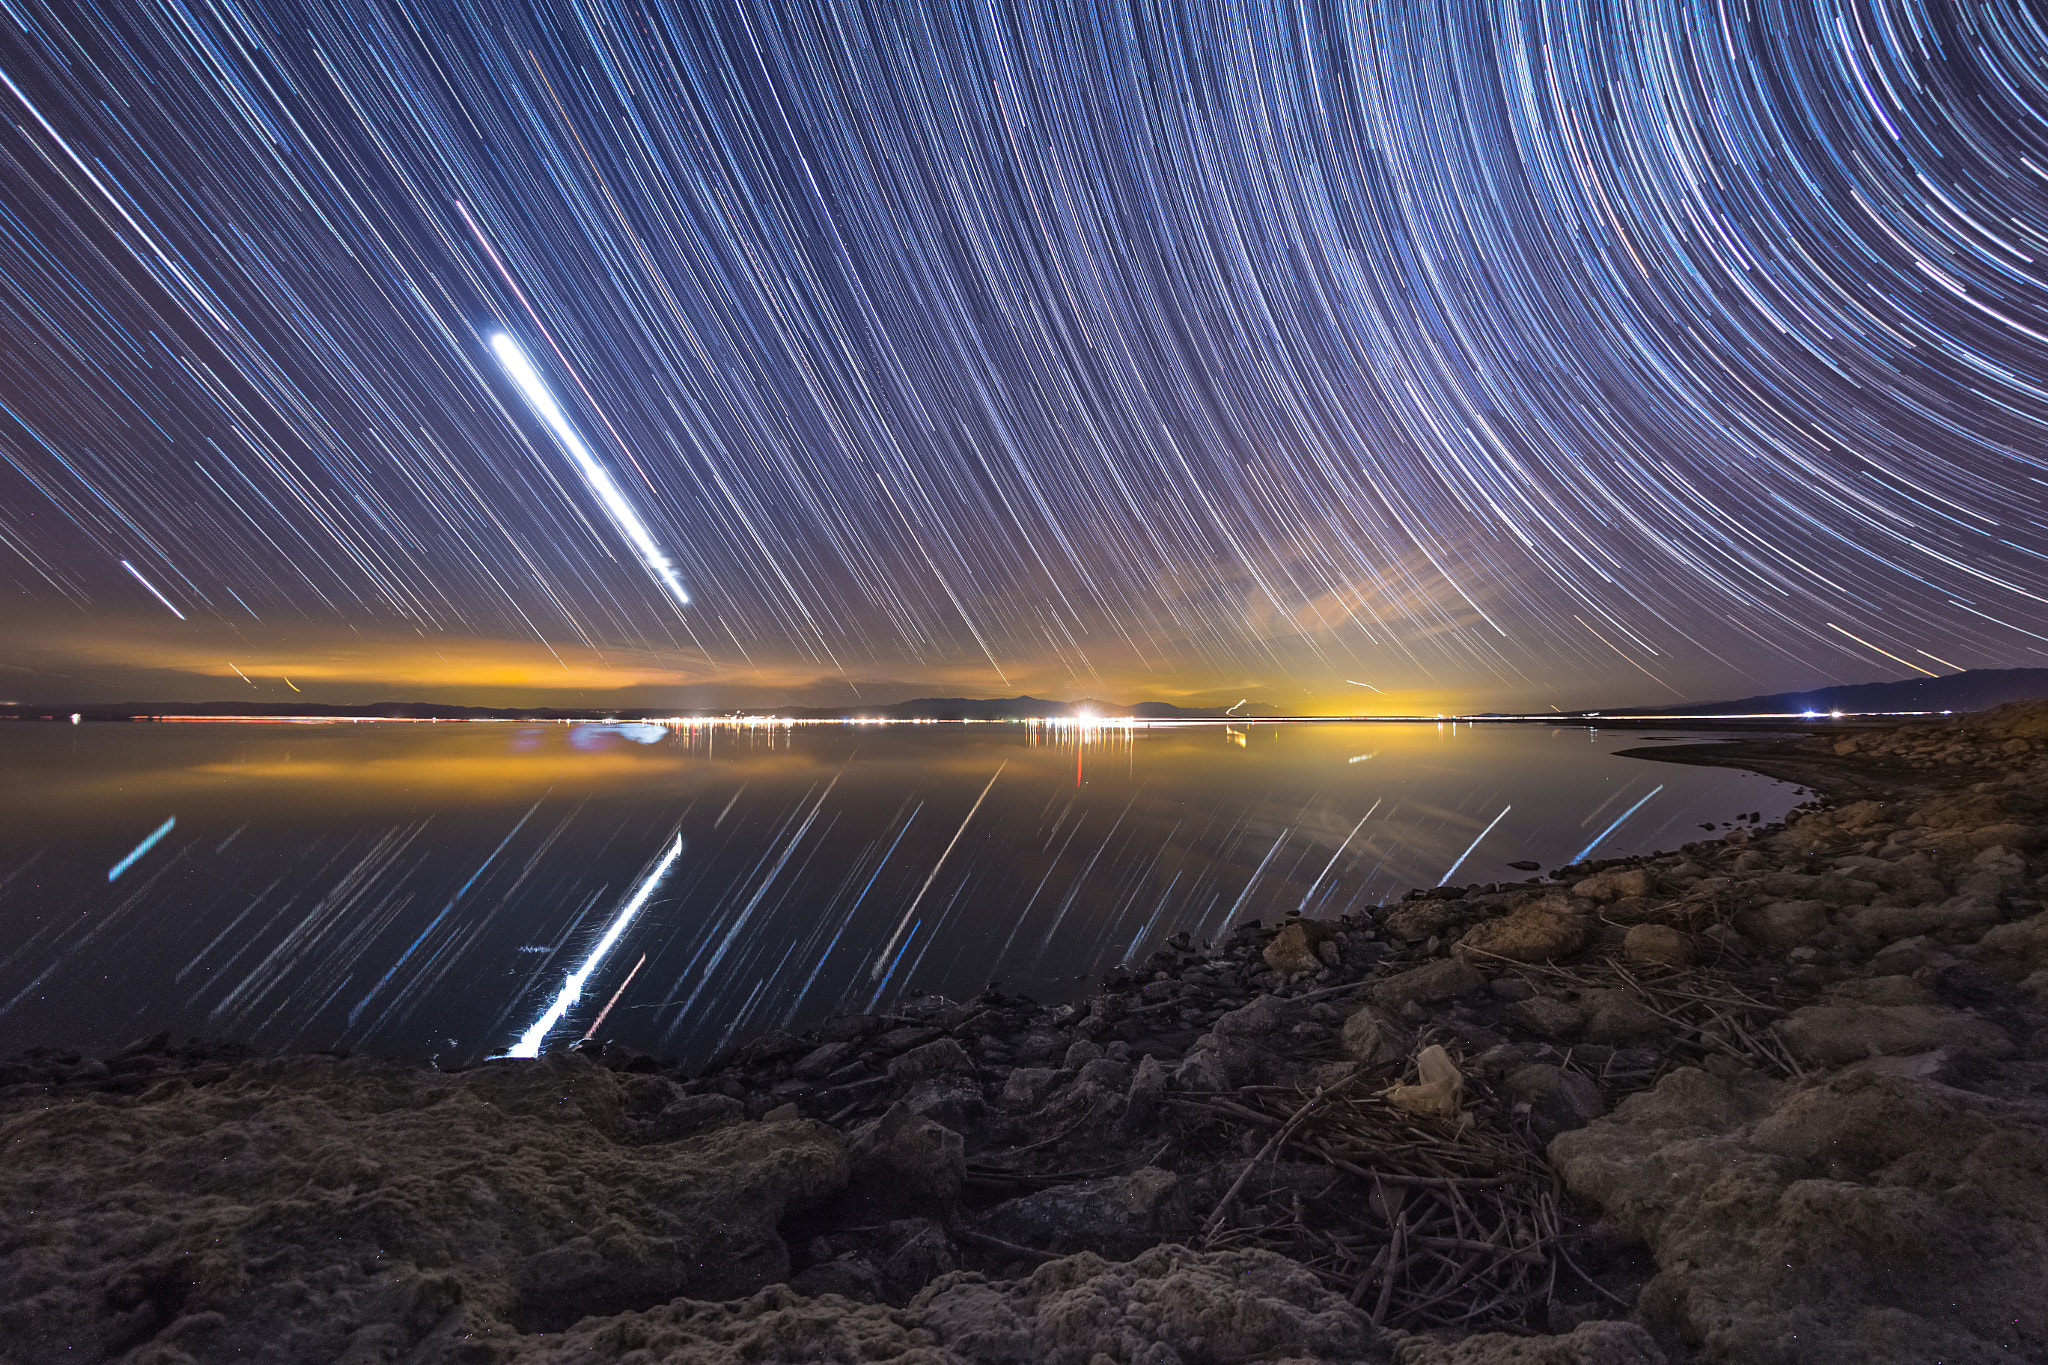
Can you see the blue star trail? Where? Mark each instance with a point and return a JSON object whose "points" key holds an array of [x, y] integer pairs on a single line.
{"points": [[1572, 352]]}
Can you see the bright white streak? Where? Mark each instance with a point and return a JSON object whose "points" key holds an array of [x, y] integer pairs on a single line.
{"points": [[136, 574], [1488, 830], [1616, 825], [595, 475], [572, 988], [1340, 852]]}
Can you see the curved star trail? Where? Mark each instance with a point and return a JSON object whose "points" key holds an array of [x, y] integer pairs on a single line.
{"points": [[1526, 348]]}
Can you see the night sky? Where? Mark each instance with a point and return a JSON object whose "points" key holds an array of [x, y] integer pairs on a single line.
{"points": [[1482, 355]]}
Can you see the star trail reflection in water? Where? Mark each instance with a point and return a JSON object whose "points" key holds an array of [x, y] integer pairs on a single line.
{"points": [[429, 889]]}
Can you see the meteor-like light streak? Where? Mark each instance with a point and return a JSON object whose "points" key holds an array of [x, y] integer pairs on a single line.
{"points": [[875, 972], [1581, 856], [145, 846], [136, 574], [1346, 844], [572, 988], [1445, 879], [599, 479]]}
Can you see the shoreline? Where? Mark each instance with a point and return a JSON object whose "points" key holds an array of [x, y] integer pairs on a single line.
{"points": [[1476, 1123]]}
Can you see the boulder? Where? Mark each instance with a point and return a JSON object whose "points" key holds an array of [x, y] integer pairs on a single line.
{"points": [[1167, 1304], [1830, 1035], [1889, 923], [2023, 941], [1869, 1219], [1618, 1016], [1590, 1343], [1372, 1037], [1418, 921], [1439, 980], [931, 1059], [1546, 1016], [904, 1163], [1292, 951], [513, 1197], [1540, 931], [1783, 924], [1262, 1016], [1027, 1088], [1555, 1100], [1657, 945], [1614, 883]]}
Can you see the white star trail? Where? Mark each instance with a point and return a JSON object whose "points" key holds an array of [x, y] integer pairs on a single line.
{"points": [[1556, 353]]}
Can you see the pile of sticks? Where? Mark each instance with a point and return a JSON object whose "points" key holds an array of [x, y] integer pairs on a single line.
{"points": [[1424, 1222], [1709, 1011]]}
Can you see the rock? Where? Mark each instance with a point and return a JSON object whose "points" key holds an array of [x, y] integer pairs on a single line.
{"points": [[1148, 1087], [1372, 1037], [1829, 1035], [1262, 1016], [694, 1112], [1888, 923], [1783, 924], [1117, 1217], [1614, 884], [1439, 980], [1555, 1100], [1657, 944], [903, 1163], [1106, 1072], [2023, 941], [905, 1038], [1617, 1016], [1027, 1088], [1912, 1210], [1219, 1062], [1419, 921], [1548, 1017], [1082, 1052], [1590, 1343], [931, 1059], [1168, 1304], [1540, 931], [1881, 990], [1909, 956], [1510, 988], [824, 1060], [411, 1200], [1292, 951]]}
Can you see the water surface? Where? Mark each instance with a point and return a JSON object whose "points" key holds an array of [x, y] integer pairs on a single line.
{"points": [[454, 889]]}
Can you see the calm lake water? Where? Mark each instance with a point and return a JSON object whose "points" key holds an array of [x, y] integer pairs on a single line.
{"points": [[461, 889]]}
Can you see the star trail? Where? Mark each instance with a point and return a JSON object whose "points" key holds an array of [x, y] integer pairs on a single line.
{"points": [[1523, 353]]}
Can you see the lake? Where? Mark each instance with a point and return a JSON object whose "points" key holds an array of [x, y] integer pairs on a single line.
{"points": [[468, 889]]}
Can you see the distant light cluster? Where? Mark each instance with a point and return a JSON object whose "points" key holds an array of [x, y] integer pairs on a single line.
{"points": [[1672, 346]]}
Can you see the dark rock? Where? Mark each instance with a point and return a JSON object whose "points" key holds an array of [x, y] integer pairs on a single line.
{"points": [[1433, 981], [904, 1164], [1292, 951], [931, 1059], [1371, 1037], [1555, 1100], [1547, 1017]]}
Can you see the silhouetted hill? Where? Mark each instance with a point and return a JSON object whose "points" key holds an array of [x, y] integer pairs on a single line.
{"points": [[1976, 689], [922, 708]]}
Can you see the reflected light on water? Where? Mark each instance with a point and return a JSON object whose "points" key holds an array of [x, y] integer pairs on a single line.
{"points": [[572, 988]]}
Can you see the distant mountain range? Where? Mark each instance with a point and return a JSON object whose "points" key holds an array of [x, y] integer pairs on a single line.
{"points": [[1973, 690], [923, 708]]}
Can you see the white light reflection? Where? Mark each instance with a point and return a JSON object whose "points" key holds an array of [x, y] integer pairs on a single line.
{"points": [[572, 989], [601, 484]]}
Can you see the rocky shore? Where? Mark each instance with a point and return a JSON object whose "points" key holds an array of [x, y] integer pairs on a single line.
{"points": [[1776, 1096]]}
